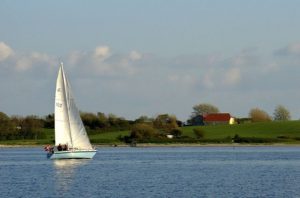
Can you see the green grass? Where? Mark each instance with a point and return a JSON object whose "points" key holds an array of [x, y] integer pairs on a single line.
{"points": [[108, 137], [26, 142], [287, 129]]}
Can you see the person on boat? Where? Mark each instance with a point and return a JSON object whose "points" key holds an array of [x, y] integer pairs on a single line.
{"points": [[59, 147], [51, 149], [64, 147], [47, 147]]}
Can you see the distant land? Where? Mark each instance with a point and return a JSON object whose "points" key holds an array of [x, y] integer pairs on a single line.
{"points": [[271, 133]]}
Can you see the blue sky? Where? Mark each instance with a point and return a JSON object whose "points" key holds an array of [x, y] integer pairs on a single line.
{"points": [[134, 58]]}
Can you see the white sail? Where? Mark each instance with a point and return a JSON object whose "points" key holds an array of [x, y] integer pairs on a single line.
{"points": [[69, 128]]}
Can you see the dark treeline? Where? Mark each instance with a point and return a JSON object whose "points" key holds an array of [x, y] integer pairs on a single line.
{"points": [[31, 127], [143, 129], [155, 130], [102, 122], [16, 127]]}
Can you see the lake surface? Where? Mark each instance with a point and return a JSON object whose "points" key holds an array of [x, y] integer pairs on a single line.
{"points": [[154, 172]]}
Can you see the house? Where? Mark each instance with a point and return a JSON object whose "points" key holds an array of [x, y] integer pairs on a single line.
{"points": [[218, 118], [212, 119], [197, 120]]}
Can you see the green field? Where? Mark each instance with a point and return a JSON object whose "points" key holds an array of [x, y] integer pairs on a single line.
{"points": [[261, 130], [269, 132], [108, 137]]}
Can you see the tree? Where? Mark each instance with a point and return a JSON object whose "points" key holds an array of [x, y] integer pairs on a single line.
{"points": [[201, 110], [281, 113], [103, 121], [112, 119], [49, 121], [31, 127], [204, 108], [142, 131], [165, 123], [176, 132], [144, 119], [258, 115], [7, 127], [90, 120]]}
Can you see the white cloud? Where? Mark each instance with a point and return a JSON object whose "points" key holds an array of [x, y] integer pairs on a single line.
{"points": [[126, 66], [5, 51], [36, 56], [102, 62], [26, 62], [102, 52], [23, 64], [134, 55]]}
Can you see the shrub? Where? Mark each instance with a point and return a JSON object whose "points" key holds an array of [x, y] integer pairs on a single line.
{"points": [[165, 123], [142, 131], [176, 132], [199, 133], [238, 139], [258, 115]]}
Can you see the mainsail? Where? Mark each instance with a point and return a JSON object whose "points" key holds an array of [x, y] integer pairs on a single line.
{"points": [[69, 128]]}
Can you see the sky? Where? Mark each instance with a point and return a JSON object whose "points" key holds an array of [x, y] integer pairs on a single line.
{"points": [[134, 58]]}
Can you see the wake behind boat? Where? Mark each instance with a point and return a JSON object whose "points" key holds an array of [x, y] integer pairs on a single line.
{"points": [[71, 139]]}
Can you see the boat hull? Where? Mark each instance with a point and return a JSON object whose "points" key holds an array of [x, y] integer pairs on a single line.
{"points": [[77, 154]]}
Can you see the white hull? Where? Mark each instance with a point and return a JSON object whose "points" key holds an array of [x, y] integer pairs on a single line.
{"points": [[77, 154]]}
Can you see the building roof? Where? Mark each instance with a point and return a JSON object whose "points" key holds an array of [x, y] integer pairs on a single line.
{"points": [[217, 117]]}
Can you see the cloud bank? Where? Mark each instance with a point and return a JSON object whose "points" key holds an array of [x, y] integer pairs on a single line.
{"points": [[136, 83]]}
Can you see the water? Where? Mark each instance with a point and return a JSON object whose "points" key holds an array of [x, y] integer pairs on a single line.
{"points": [[154, 172]]}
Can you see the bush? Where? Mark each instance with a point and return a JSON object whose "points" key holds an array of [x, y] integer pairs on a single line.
{"points": [[238, 139], [199, 133], [258, 115], [165, 123], [142, 131], [176, 132]]}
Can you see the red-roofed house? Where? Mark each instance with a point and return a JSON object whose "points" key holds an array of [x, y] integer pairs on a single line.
{"points": [[218, 118]]}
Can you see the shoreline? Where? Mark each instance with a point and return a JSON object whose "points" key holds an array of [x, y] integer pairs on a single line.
{"points": [[217, 145], [149, 145]]}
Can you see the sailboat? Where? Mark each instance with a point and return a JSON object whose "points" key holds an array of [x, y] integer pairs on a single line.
{"points": [[71, 139]]}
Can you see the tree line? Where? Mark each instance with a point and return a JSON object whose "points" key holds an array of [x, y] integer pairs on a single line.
{"points": [[31, 127], [16, 127], [142, 129]]}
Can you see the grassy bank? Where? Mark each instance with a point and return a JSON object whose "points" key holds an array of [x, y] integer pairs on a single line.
{"points": [[287, 132], [287, 129]]}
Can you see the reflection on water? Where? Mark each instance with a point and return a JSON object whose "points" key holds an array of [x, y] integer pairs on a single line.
{"points": [[69, 163], [65, 173]]}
